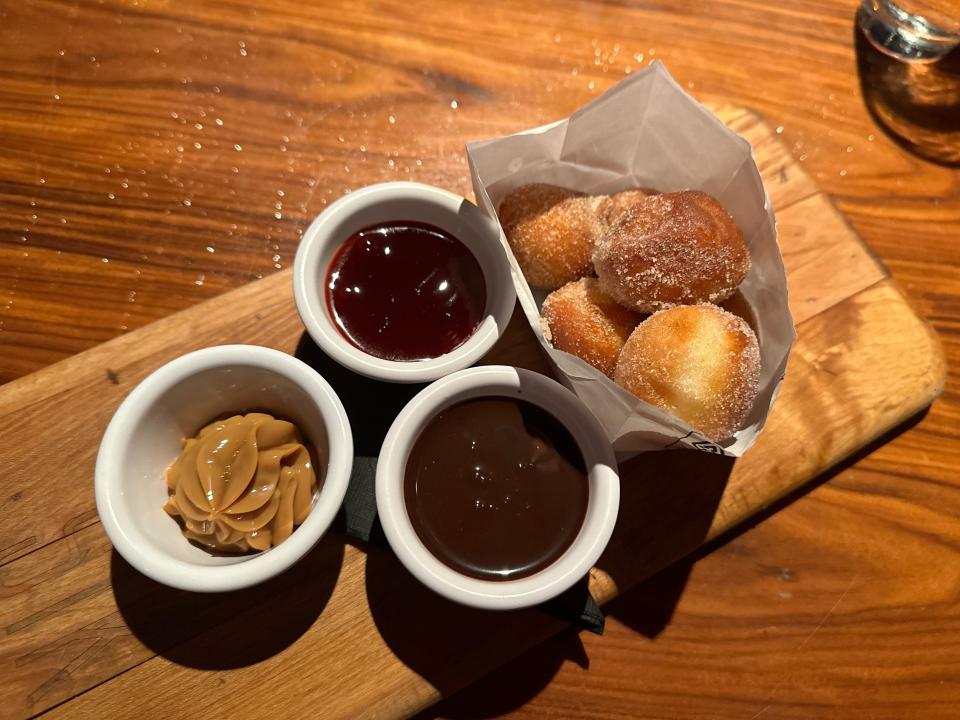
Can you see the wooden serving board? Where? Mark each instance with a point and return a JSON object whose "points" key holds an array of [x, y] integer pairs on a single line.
{"points": [[347, 632]]}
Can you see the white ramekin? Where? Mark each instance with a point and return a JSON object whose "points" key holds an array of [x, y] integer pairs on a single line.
{"points": [[145, 436], [401, 201], [604, 497]]}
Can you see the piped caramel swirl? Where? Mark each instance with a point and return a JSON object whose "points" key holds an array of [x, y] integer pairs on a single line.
{"points": [[242, 484]]}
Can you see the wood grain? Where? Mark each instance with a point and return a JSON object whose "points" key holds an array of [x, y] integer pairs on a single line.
{"points": [[78, 619], [386, 668], [100, 136], [265, 314]]}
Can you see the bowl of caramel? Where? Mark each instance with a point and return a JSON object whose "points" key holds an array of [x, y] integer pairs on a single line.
{"points": [[403, 282], [497, 488], [223, 468]]}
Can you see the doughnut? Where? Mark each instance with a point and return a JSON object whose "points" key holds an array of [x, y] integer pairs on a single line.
{"points": [[679, 248], [551, 231], [579, 319], [697, 362], [611, 207]]}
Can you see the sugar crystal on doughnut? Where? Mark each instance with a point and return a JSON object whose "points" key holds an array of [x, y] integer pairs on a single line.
{"points": [[672, 249], [611, 207], [697, 362], [580, 319], [551, 231]]}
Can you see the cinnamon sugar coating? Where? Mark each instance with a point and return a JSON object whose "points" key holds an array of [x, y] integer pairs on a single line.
{"points": [[552, 232], [580, 319], [611, 207], [697, 362], [678, 248]]}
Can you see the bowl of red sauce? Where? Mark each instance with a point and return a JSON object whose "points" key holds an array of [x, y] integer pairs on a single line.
{"points": [[403, 282]]}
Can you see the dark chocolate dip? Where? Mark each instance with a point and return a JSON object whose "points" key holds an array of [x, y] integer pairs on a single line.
{"points": [[496, 488]]}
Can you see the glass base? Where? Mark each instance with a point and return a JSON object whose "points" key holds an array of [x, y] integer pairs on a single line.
{"points": [[899, 34]]}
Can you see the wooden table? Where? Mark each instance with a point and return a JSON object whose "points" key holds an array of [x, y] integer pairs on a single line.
{"points": [[156, 154]]}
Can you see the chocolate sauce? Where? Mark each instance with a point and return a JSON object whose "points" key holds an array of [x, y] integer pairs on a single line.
{"points": [[496, 488], [405, 291]]}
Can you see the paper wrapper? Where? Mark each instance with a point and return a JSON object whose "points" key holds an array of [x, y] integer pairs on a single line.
{"points": [[647, 132]]}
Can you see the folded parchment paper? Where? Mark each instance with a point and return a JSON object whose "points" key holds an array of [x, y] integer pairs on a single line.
{"points": [[647, 132]]}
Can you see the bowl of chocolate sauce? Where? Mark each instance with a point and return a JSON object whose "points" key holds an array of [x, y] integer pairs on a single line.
{"points": [[403, 282], [497, 487]]}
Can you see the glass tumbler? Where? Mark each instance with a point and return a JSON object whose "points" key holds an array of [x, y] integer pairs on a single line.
{"points": [[912, 30]]}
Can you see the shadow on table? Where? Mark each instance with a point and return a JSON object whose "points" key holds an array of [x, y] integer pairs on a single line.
{"points": [[646, 608], [916, 104], [371, 405], [667, 507], [668, 501], [433, 636], [229, 630], [218, 631], [514, 684], [446, 643]]}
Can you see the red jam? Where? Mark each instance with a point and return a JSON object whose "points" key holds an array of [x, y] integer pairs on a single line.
{"points": [[405, 291]]}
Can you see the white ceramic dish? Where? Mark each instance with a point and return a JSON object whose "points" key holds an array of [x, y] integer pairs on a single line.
{"points": [[603, 504], [401, 201], [145, 435]]}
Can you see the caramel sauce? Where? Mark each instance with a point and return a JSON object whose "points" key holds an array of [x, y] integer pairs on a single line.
{"points": [[241, 484]]}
